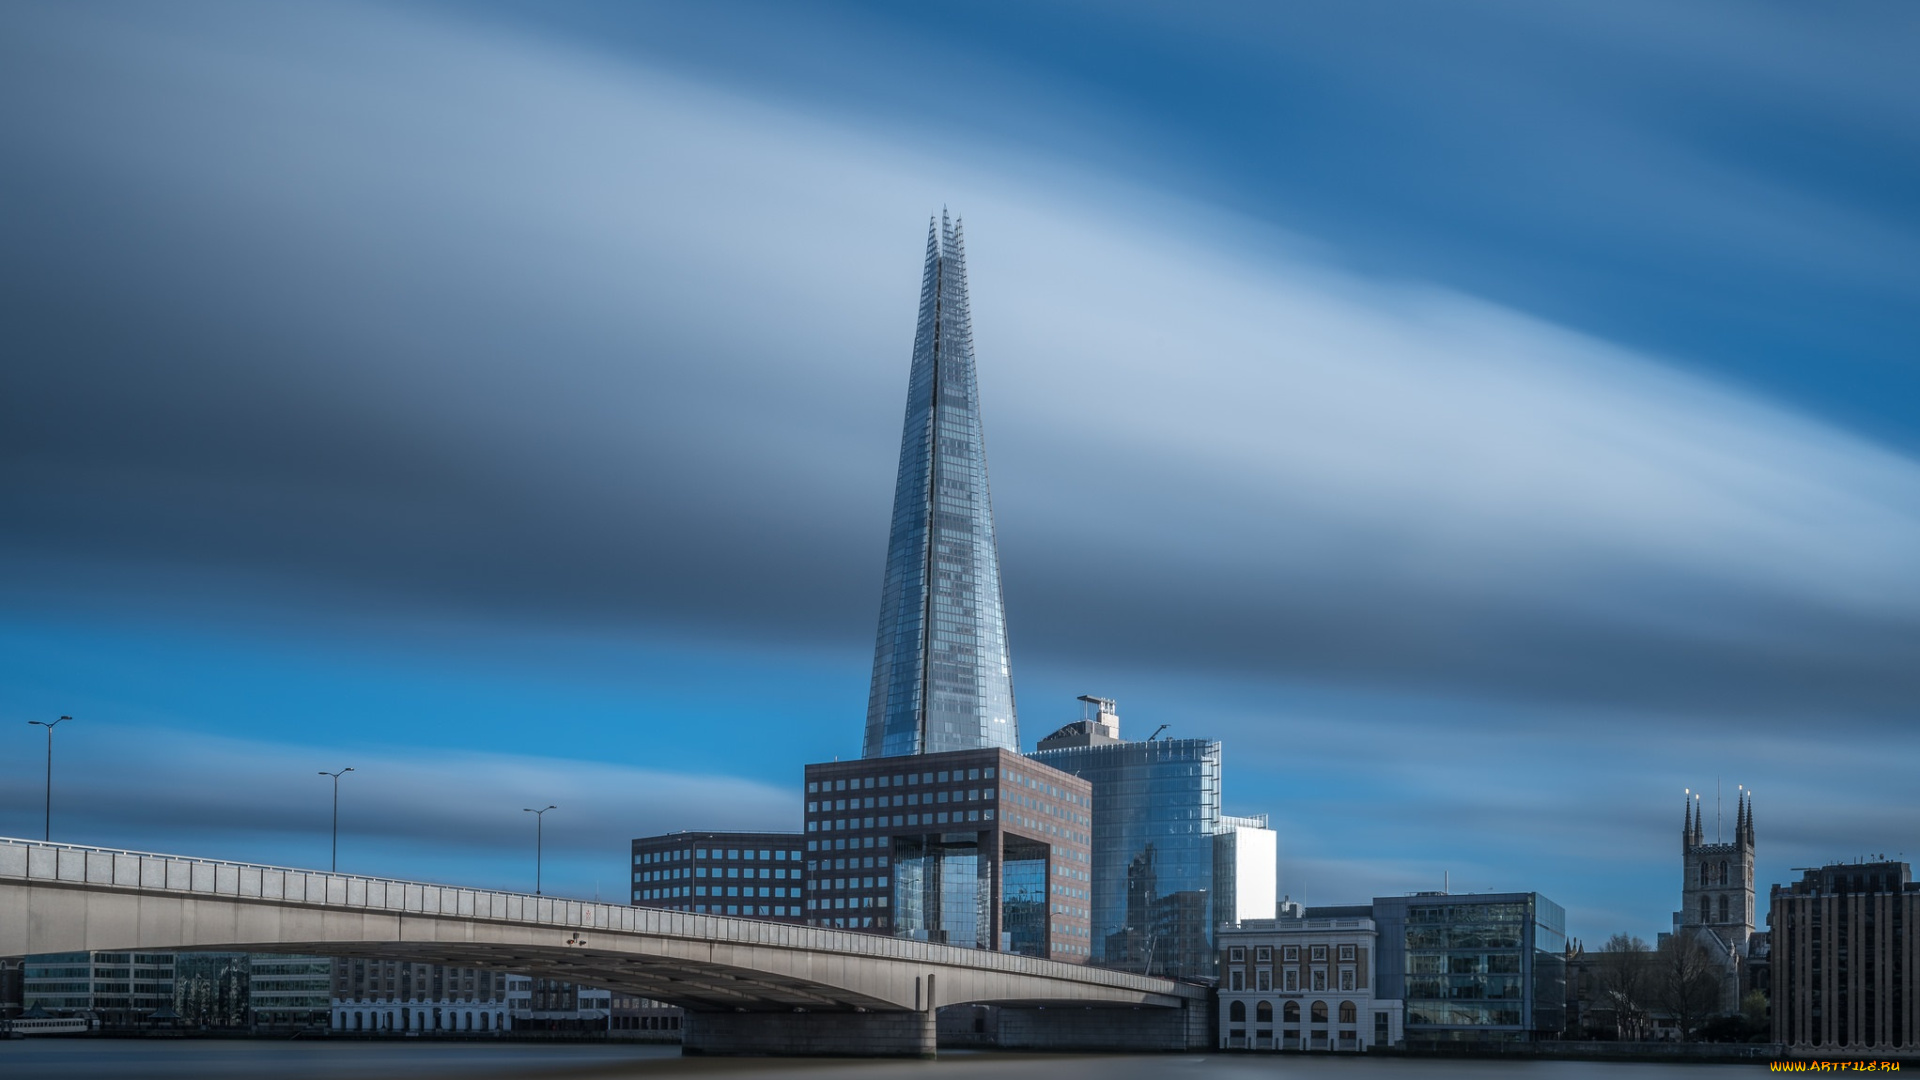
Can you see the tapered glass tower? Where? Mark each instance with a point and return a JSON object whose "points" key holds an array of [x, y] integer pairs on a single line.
{"points": [[942, 679]]}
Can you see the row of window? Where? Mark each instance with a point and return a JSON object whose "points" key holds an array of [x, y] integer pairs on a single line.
{"points": [[677, 892], [1290, 1012], [815, 787], [647, 858], [880, 802], [781, 911], [681, 873], [939, 818], [1290, 979], [1289, 953]]}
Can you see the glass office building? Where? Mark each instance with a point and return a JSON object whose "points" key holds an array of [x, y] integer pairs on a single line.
{"points": [[1156, 816], [942, 677], [1484, 967]]}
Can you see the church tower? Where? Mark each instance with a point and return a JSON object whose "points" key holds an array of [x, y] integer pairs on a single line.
{"points": [[1716, 890]]}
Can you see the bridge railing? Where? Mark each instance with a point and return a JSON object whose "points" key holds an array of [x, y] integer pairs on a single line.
{"points": [[80, 866]]}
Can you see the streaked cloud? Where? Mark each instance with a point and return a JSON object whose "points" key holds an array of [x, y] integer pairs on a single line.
{"points": [[366, 314]]}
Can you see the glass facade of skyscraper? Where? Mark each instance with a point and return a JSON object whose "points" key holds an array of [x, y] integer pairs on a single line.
{"points": [[1156, 812], [1486, 967], [942, 677]]}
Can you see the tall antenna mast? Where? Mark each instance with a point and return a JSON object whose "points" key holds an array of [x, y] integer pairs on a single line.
{"points": [[1717, 838]]}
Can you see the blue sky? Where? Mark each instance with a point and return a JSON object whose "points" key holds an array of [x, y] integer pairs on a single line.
{"points": [[1487, 419]]}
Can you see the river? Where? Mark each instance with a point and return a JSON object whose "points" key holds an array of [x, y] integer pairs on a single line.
{"points": [[188, 1059]]}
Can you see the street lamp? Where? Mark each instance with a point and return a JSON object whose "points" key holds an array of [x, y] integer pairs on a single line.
{"points": [[336, 814], [539, 840], [48, 835]]}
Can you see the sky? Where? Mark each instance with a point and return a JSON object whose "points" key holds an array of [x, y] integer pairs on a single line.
{"points": [[1489, 420]]}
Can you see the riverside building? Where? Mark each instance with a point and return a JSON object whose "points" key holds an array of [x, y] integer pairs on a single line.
{"points": [[1303, 984], [978, 848], [747, 874], [1168, 866], [1844, 958]]}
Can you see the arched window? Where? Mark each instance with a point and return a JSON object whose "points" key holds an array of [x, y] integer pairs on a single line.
{"points": [[1706, 913], [1723, 871], [1706, 874], [1348, 1014], [1319, 1012], [1263, 1012], [1237, 1012], [1723, 909], [1291, 1012]]}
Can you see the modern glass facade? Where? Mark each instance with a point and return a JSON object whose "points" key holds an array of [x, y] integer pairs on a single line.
{"points": [[1478, 967], [1156, 813], [942, 676]]}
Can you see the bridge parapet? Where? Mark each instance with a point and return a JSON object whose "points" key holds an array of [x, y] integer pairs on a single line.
{"points": [[108, 871]]}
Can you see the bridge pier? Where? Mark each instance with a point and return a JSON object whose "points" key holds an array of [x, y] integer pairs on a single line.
{"points": [[1077, 1028], [808, 1034]]}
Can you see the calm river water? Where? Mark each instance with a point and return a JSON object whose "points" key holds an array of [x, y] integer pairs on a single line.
{"points": [[135, 1059]]}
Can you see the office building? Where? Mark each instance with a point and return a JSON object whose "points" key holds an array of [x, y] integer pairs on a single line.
{"points": [[747, 874], [644, 1019], [1303, 984], [1843, 958], [1481, 967], [402, 996], [123, 990], [555, 1005], [1246, 870], [1168, 866], [977, 848], [942, 675], [212, 991], [289, 992]]}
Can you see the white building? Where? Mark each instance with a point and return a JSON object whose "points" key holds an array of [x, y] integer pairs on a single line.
{"points": [[1246, 856], [1302, 984]]}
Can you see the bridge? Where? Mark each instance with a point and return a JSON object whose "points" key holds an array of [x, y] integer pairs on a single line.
{"points": [[749, 987]]}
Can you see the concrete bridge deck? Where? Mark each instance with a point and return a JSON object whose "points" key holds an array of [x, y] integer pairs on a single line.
{"points": [[748, 985]]}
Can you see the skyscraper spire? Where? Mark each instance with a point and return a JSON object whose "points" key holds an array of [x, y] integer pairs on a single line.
{"points": [[942, 674]]}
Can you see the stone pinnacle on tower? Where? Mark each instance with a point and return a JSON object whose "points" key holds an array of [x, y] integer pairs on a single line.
{"points": [[942, 676]]}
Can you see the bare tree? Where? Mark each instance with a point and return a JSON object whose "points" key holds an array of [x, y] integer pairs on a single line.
{"points": [[1624, 971], [1686, 982]]}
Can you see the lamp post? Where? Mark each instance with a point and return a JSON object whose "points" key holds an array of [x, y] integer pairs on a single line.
{"points": [[539, 840], [48, 834], [336, 814]]}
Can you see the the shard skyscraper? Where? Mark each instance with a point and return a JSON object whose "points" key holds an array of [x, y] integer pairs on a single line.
{"points": [[942, 679]]}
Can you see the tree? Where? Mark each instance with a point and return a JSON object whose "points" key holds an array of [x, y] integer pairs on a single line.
{"points": [[1686, 982], [1624, 971]]}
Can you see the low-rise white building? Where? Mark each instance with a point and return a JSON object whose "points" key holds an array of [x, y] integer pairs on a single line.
{"points": [[1303, 984]]}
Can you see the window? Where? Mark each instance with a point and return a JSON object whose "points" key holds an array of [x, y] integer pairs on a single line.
{"points": [[1237, 954], [1346, 980], [1290, 1012], [1292, 953], [1346, 952], [1351, 1015], [1319, 952], [1237, 1012], [1293, 982], [1237, 980], [1723, 900], [1319, 978], [1705, 914], [1320, 1009], [1263, 1012], [1264, 954]]}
